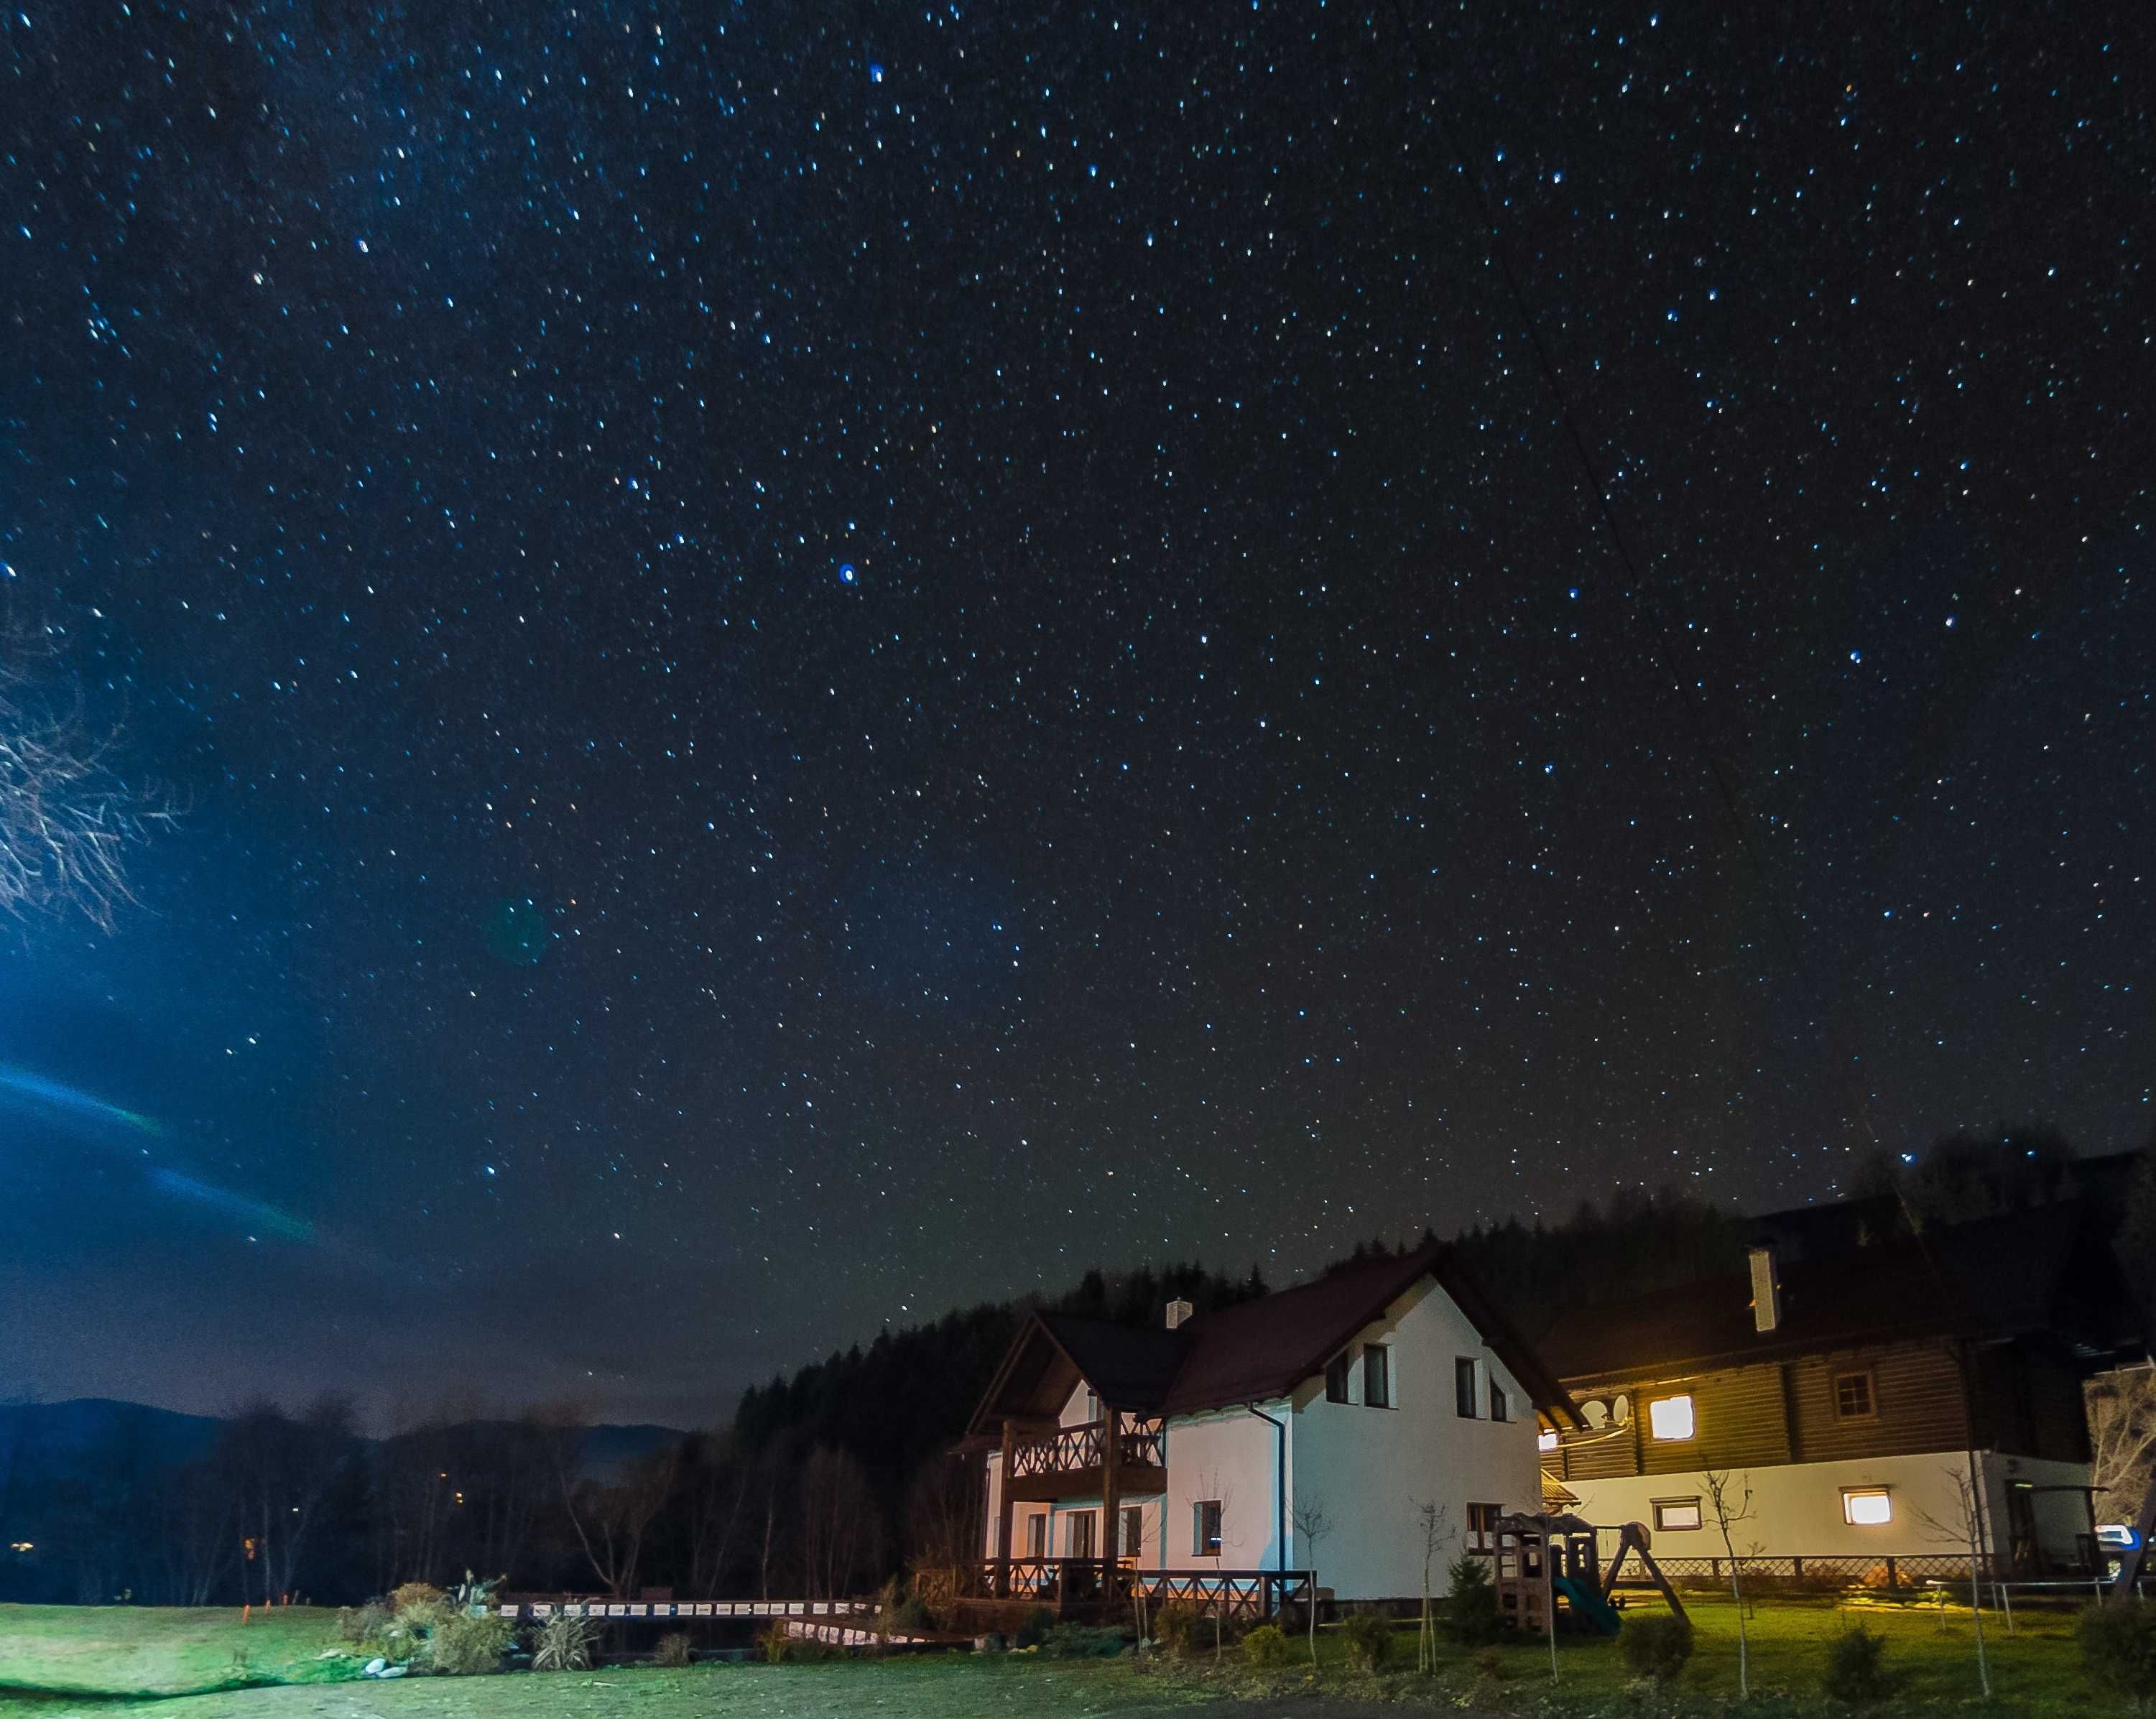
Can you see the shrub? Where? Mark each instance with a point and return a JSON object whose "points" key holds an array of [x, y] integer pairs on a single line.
{"points": [[901, 1611], [1656, 1647], [1034, 1630], [563, 1644], [363, 1626], [781, 1648], [1472, 1616], [2118, 1648], [1370, 1639], [1082, 1641], [1267, 1647], [1175, 1628], [674, 1649], [406, 1595], [463, 1645], [1856, 1670]]}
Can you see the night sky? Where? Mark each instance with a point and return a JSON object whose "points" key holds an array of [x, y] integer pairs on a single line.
{"points": [[826, 659]]}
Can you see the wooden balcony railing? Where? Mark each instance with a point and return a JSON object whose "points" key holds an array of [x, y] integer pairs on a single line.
{"points": [[1248, 1595], [1085, 1446]]}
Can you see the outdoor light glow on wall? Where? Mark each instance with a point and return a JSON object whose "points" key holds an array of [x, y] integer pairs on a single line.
{"points": [[1871, 1508]]}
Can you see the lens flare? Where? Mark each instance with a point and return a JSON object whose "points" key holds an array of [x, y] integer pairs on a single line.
{"points": [[73, 1101], [235, 1205]]}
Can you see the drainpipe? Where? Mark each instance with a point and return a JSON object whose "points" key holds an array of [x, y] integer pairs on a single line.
{"points": [[1279, 1486]]}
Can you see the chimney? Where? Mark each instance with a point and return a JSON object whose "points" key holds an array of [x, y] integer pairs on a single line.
{"points": [[1766, 1291], [1177, 1311]]}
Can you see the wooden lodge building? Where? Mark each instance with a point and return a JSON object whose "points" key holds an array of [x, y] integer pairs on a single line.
{"points": [[1852, 1390]]}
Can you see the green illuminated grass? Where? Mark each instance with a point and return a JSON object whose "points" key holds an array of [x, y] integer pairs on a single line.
{"points": [[140, 1652]]}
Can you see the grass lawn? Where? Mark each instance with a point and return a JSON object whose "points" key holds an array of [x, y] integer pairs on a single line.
{"points": [[156, 1651], [139, 1652]]}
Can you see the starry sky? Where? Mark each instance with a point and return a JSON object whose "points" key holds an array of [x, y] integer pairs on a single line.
{"points": [[826, 660]]}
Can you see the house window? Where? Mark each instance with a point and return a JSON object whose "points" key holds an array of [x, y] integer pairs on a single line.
{"points": [[1078, 1537], [1133, 1531], [1036, 1535], [1336, 1379], [1092, 1404], [1852, 1396], [1463, 1387], [1677, 1514], [1483, 1527], [1500, 1409], [1376, 1376], [1866, 1506], [1669, 1418], [1206, 1541]]}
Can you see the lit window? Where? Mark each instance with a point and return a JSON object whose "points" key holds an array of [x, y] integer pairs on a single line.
{"points": [[1677, 1514], [1866, 1506], [1669, 1418], [1852, 1396], [1546, 1440]]}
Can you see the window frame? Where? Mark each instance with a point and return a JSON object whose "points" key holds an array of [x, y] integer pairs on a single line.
{"points": [[1337, 1372], [1130, 1533], [1199, 1547], [1378, 1372], [1655, 1432], [1657, 1506], [1483, 1527], [1500, 1401], [1085, 1524], [1036, 1534], [1466, 1387], [1871, 1388], [1850, 1495]]}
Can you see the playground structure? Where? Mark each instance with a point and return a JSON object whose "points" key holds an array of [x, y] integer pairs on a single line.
{"points": [[1540, 1560]]}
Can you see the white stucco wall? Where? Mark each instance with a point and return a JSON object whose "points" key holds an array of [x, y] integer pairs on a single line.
{"points": [[1796, 1507], [1226, 1455], [1369, 1470]]}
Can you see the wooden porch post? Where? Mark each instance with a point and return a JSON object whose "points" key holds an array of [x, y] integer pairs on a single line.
{"points": [[1111, 1527], [1003, 1522]]}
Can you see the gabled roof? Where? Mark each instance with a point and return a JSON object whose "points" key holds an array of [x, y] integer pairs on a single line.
{"points": [[1253, 1351], [2044, 1271]]}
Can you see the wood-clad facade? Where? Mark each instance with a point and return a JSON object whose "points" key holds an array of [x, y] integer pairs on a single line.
{"points": [[1856, 1396]]}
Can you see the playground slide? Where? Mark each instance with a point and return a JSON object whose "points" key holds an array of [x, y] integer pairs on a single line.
{"points": [[1590, 1604]]}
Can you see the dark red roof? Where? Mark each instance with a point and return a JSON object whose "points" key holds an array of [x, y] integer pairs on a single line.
{"points": [[2041, 1271], [1252, 1351]]}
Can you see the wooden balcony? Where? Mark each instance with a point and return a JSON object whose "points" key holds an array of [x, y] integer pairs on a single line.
{"points": [[1070, 1462], [1082, 1587]]}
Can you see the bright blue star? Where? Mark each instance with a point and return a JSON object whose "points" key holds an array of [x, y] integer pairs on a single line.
{"points": [[846, 575]]}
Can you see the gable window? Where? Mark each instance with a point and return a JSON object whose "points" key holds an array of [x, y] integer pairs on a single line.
{"points": [[1483, 1527], [1036, 1535], [1463, 1387], [1092, 1404], [1866, 1506], [1852, 1396], [1133, 1544], [1336, 1379], [1674, 1515], [1501, 1408], [1205, 1541], [1669, 1418], [1376, 1376]]}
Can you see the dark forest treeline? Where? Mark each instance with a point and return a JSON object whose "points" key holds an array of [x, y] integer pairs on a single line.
{"points": [[829, 1479]]}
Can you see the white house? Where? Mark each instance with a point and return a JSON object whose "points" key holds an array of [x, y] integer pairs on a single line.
{"points": [[1305, 1430]]}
